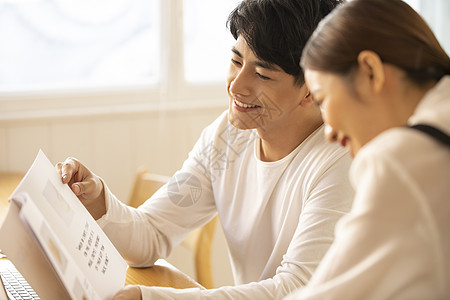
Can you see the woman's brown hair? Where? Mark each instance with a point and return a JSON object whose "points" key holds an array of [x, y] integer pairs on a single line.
{"points": [[391, 28]]}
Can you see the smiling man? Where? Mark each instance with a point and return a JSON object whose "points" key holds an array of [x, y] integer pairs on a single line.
{"points": [[266, 98], [263, 166]]}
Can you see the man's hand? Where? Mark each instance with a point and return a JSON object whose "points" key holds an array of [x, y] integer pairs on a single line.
{"points": [[85, 184], [130, 292]]}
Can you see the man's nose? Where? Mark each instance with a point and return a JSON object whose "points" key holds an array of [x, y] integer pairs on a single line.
{"points": [[241, 83]]}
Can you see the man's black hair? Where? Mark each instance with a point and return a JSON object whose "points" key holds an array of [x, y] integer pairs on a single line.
{"points": [[277, 30]]}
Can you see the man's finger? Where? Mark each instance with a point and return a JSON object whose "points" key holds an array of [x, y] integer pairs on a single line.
{"points": [[81, 188], [58, 167], [87, 188], [76, 188], [68, 168]]}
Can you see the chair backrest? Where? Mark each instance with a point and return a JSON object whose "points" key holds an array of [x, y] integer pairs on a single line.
{"points": [[199, 240], [145, 185]]}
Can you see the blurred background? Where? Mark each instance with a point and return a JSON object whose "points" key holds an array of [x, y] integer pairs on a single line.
{"points": [[122, 85]]}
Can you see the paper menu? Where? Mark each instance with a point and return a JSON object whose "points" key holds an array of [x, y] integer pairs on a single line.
{"points": [[80, 254]]}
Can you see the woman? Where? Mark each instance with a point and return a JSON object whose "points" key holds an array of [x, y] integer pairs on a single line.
{"points": [[375, 68]]}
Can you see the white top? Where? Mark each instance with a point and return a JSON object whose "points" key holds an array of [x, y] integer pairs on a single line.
{"points": [[278, 217], [395, 243]]}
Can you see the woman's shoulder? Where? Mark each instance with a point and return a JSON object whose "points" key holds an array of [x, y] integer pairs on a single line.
{"points": [[403, 150]]}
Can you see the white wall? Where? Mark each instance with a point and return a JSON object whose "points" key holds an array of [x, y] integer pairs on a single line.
{"points": [[114, 145]]}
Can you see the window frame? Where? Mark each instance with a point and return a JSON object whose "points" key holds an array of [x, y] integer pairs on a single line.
{"points": [[172, 91]]}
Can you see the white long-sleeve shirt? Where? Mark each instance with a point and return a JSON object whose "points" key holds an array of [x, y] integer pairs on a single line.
{"points": [[395, 243], [278, 217]]}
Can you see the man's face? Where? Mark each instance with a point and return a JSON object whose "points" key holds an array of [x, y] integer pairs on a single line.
{"points": [[262, 95]]}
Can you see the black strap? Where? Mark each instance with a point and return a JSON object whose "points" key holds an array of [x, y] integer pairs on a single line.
{"points": [[434, 132]]}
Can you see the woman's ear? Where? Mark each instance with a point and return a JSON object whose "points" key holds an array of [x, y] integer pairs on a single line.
{"points": [[371, 67]]}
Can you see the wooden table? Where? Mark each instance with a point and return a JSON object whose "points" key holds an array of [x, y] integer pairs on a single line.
{"points": [[161, 274]]}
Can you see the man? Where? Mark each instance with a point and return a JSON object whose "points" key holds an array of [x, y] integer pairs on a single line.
{"points": [[263, 166]]}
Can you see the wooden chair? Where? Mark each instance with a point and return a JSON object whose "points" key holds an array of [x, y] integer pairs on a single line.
{"points": [[199, 240], [8, 183]]}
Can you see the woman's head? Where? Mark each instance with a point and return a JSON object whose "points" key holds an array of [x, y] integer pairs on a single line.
{"points": [[369, 64], [390, 28]]}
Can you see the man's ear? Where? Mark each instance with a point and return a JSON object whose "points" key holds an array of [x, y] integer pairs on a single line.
{"points": [[307, 99], [371, 67]]}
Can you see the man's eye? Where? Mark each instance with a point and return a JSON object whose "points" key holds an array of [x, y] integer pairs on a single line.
{"points": [[262, 76], [236, 62]]}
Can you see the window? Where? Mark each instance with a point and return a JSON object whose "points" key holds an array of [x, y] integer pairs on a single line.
{"points": [[437, 14], [61, 43], [207, 40], [97, 54], [113, 54]]}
